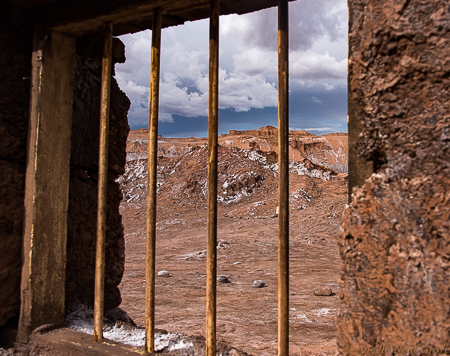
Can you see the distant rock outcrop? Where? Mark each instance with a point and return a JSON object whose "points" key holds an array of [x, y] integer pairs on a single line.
{"points": [[263, 131], [246, 165], [330, 150]]}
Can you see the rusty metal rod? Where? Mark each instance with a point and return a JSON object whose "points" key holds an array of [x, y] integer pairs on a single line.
{"points": [[151, 183], [102, 184], [213, 131], [283, 178]]}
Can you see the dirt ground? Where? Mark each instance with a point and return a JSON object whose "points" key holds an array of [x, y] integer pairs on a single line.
{"points": [[247, 316]]}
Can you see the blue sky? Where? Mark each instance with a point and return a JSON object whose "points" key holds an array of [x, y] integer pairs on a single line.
{"points": [[248, 72]]}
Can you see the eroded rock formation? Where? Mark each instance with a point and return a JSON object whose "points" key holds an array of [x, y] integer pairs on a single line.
{"points": [[395, 236], [263, 131]]}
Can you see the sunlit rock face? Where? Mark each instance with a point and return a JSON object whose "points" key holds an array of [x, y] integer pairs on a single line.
{"points": [[395, 235]]}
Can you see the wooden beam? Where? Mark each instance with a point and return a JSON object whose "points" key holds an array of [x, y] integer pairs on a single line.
{"points": [[283, 178], [213, 132], [47, 182], [83, 17], [102, 184], [151, 183]]}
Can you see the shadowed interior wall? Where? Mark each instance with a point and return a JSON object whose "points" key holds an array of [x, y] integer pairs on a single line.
{"points": [[15, 71], [82, 220], [395, 239]]}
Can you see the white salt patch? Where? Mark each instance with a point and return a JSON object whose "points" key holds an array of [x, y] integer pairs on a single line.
{"points": [[175, 221], [131, 336], [323, 311], [304, 318], [183, 344], [259, 203]]}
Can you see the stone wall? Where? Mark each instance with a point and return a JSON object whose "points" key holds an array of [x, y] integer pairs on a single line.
{"points": [[82, 219], [395, 236], [15, 71]]}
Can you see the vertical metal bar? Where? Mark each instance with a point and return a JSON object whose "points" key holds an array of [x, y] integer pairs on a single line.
{"points": [[213, 131], [151, 183], [102, 184], [283, 178]]}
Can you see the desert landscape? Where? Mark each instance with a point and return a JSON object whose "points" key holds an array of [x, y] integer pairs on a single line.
{"points": [[247, 237]]}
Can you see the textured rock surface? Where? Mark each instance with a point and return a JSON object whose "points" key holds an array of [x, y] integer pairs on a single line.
{"points": [[323, 291], [223, 279], [395, 236], [15, 59], [258, 284], [82, 220]]}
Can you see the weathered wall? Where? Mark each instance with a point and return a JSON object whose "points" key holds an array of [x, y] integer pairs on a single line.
{"points": [[83, 181], [47, 182], [395, 237], [15, 70]]}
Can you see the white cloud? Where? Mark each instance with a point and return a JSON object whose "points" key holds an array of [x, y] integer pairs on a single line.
{"points": [[316, 100], [184, 84], [303, 65], [243, 92], [328, 128], [184, 63], [256, 61], [138, 95], [175, 99], [308, 22], [313, 66], [240, 93], [248, 60], [137, 65]]}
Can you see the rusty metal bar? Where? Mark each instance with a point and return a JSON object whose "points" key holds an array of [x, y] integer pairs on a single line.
{"points": [[151, 183], [213, 132], [283, 178], [102, 184]]}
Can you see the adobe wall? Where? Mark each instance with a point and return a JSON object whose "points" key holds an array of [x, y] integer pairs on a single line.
{"points": [[15, 69], [82, 218], [395, 236]]}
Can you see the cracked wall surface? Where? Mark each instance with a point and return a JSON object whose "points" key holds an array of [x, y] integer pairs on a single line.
{"points": [[82, 216], [15, 70], [395, 235]]}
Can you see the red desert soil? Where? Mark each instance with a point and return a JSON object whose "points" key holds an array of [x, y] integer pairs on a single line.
{"points": [[247, 316]]}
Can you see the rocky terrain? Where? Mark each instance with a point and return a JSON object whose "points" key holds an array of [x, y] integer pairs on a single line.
{"points": [[247, 230]]}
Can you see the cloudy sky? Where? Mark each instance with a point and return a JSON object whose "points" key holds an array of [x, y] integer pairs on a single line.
{"points": [[248, 72]]}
